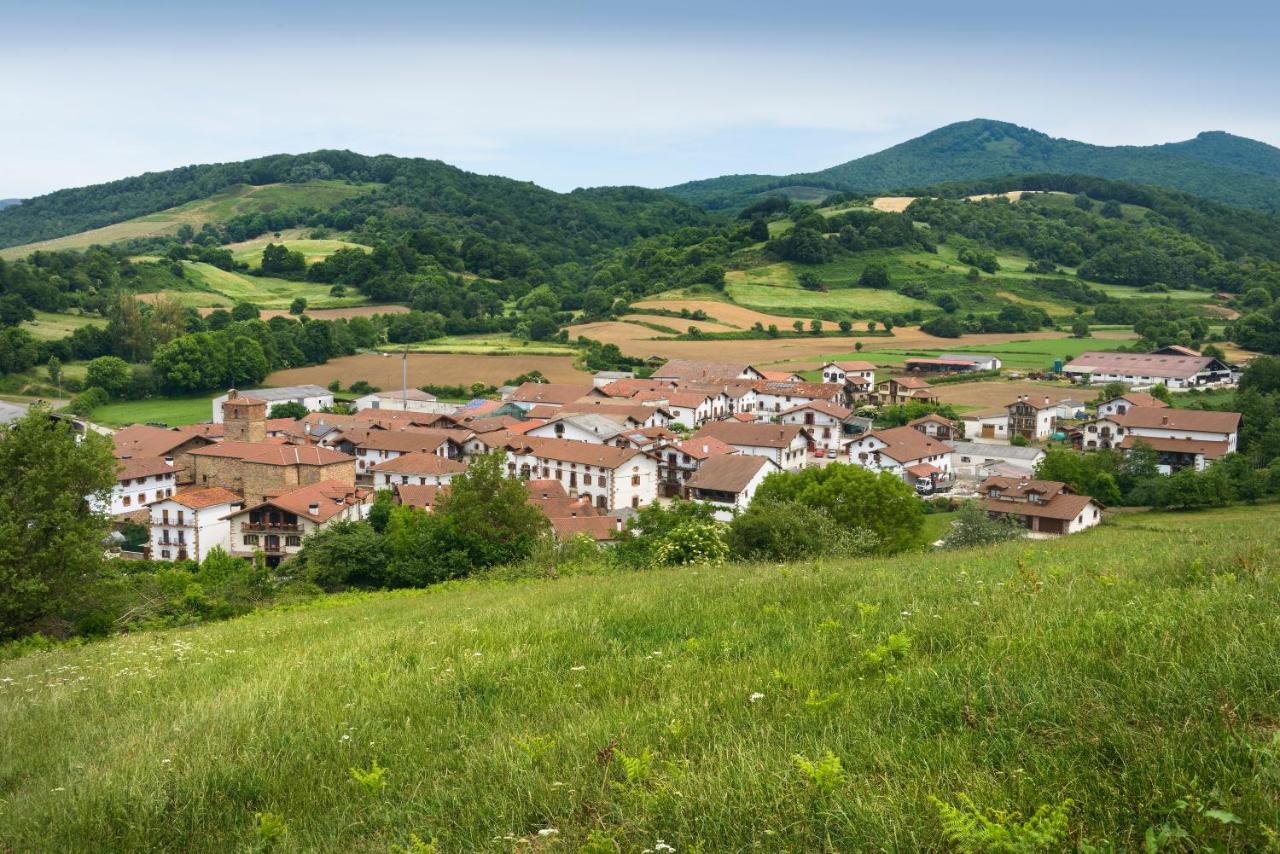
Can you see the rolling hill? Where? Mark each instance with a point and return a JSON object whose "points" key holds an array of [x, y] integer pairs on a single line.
{"points": [[1214, 165], [8, 203], [342, 190]]}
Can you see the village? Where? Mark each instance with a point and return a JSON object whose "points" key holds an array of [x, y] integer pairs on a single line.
{"points": [[592, 454]]}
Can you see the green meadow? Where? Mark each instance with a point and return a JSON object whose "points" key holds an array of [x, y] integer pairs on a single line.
{"points": [[170, 411], [1121, 683], [264, 291]]}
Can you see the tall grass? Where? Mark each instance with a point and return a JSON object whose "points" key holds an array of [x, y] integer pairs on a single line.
{"points": [[1131, 670]]}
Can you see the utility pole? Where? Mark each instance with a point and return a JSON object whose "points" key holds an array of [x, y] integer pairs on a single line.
{"points": [[404, 376]]}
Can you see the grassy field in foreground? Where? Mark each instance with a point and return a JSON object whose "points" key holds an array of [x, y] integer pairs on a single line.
{"points": [[173, 412], [1128, 670]]}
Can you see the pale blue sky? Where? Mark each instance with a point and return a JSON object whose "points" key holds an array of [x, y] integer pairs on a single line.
{"points": [[574, 94]]}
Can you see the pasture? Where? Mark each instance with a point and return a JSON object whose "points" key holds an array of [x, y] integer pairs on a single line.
{"points": [[170, 411], [250, 251], [264, 291], [485, 345], [1123, 678], [52, 327]]}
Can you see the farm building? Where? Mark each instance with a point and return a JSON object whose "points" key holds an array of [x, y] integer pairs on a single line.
{"points": [[313, 397], [1175, 370], [1045, 507]]}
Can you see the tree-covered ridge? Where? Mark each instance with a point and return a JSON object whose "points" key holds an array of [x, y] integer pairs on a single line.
{"points": [[1215, 165], [417, 192]]}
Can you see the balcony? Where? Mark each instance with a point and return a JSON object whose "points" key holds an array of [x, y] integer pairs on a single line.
{"points": [[272, 527]]}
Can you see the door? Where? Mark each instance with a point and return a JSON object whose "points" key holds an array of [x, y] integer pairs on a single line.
{"points": [[988, 431]]}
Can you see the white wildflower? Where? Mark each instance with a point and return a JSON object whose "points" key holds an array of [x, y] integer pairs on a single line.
{"points": [[547, 831], [578, 667], [756, 697]]}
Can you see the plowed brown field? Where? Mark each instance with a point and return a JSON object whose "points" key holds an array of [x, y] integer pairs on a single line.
{"points": [[430, 368]]}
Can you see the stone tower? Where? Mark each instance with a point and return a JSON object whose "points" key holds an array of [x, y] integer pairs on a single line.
{"points": [[245, 418]]}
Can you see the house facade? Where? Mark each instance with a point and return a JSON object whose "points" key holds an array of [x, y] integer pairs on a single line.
{"points": [[609, 477], [1046, 508], [277, 526], [785, 444], [138, 483], [1031, 419], [830, 427], [728, 483], [905, 452], [418, 469], [191, 523], [313, 397]]}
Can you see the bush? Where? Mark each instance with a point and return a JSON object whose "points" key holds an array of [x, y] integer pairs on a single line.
{"points": [[973, 527], [84, 403], [691, 543], [790, 530]]}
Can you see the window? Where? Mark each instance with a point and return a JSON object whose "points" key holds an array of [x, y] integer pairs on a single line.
{"points": [[127, 501], [180, 515], [293, 540], [635, 480], [164, 553], [164, 517], [250, 539]]}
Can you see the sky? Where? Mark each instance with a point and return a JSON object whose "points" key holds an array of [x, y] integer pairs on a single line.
{"points": [[569, 94]]}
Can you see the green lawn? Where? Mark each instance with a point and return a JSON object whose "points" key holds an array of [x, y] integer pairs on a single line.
{"points": [[171, 412], [1129, 292], [775, 289], [265, 291], [51, 327], [1123, 674]]}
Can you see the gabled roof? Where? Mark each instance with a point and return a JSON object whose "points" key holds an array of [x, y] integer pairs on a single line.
{"points": [[854, 365], [1140, 398], [729, 473], [329, 497], [287, 392], [1061, 506], [694, 369], [405, 441], [637, 412], [556, 394], [1141, 364], [133, 467], [751, 434], [205, 496], [566, 450], [908, 382], [589, 422], [420, 463], [141, 440], [598, 528], [826, 407], [274, 454], [905, 444], [701, 448], [1202, 420], [931, 418], [818, 391], [418, 495]]}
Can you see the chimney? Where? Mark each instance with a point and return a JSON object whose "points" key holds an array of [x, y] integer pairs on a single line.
{"points": [[1164, 419], [1046, 400], [168, 461], [232, 394], [314, 508]]}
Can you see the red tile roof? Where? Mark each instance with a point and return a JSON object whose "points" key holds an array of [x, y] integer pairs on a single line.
{"points": [[207, 496], [141, 440], [420, 463], [330, 497], [134, 467], [1210, 450], [1200, 420], [422, 497], [1142, 364], [274, 454], [751, 434], [904, 444], [551, 393], [729, 473]]}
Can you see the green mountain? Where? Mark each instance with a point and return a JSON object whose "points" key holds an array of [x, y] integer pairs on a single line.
{"points": [[413, 192], [1214, 165], [8, 203]]}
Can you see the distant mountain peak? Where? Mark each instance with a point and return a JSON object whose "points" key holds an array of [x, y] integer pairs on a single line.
{"points": [[1215, 164]]}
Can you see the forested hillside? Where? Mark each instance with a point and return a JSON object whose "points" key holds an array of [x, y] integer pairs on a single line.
{"points": [[415, 192], [1213, 165]]}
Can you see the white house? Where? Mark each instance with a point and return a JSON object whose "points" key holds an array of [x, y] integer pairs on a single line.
{"points": [[416, 469], [695, 370], [1046, 507], [785, 444], [678, 461], [1122, 404], [277, 526], [775, 396], [728, 482], [405, 400], [191, 523], [838, 372], [827, 423], [139, 481], [610, 477], [371, 446], [1032, 419], [313, 397], [1181, 438], [905, 451]]}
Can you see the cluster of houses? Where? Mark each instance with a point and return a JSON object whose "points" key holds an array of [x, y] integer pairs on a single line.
{"points": [[594, 452]]}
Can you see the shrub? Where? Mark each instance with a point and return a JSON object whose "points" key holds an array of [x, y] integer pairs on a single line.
{"points": [[790, 530], [84, 403], [691, 543], [973, 527]]}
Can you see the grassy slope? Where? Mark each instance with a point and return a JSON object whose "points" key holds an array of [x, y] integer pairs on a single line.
{"points": [[1122, 668], [264, 291], [250, 251], [223, 205], [171, 411]]}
